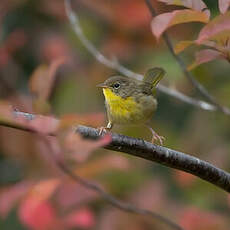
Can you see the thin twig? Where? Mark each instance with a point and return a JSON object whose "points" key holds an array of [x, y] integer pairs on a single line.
{"points": [[127, 207], [131, 146], [189, 100], [114, 64], [203, 91]]}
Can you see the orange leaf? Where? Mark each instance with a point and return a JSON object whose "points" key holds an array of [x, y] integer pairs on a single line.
{"points": [[180, 46], [38, 80], [163, 21], [44, 189]]}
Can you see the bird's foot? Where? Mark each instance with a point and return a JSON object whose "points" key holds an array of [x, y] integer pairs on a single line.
{"points": [[102, 130], [157, 138]]}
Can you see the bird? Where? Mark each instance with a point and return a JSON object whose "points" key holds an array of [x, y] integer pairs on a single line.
{"points": [[129, 101]]}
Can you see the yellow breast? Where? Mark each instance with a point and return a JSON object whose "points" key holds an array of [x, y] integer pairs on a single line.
{"points": [[123, 110]]}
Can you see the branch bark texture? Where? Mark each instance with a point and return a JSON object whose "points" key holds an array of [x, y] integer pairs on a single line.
{"points": [[133, 146], [163, 155]]}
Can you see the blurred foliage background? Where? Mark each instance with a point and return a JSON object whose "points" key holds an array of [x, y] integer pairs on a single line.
{"points": [[33, 34]]}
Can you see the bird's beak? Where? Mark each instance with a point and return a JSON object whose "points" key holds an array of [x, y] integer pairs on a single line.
{"points": [[102, 85]]}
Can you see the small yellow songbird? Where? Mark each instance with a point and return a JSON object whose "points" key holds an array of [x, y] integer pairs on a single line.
{"points": [[130, 101]]}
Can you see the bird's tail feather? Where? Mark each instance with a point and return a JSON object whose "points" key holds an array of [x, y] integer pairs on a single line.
{"points": [[153, 76]]}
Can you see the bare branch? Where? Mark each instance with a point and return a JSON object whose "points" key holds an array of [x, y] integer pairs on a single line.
{"points": [[29, 122], [127, 207], [165, 156], [114, 64], [131, 146], [123, 206], [189, 100], [203, 91]]}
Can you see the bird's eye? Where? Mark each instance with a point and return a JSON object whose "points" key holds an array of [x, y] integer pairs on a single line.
{"points": [[116, 85]]}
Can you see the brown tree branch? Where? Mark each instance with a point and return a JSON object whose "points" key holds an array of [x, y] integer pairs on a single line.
{"points": [[129, 145], [164, 156], [46, 129], [114, 64], [203, 91]]}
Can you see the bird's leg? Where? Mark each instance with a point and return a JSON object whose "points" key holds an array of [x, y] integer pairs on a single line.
{"points": [[155, 136], [105, 129]]}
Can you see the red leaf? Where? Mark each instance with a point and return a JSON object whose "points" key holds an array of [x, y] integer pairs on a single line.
{"points": [[83, 218], [184, 179], [38, 123], [10, 196], [131, 14], [218, 26], [79, 148], [37, 215], [71, 195], [163, 21], [54, 47], [224, 5], [195, 219], [198, 5], [42, 79], [204, 56], [35, 210]]}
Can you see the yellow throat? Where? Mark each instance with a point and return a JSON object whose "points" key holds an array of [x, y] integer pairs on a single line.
{"points": [[121, 110]]}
